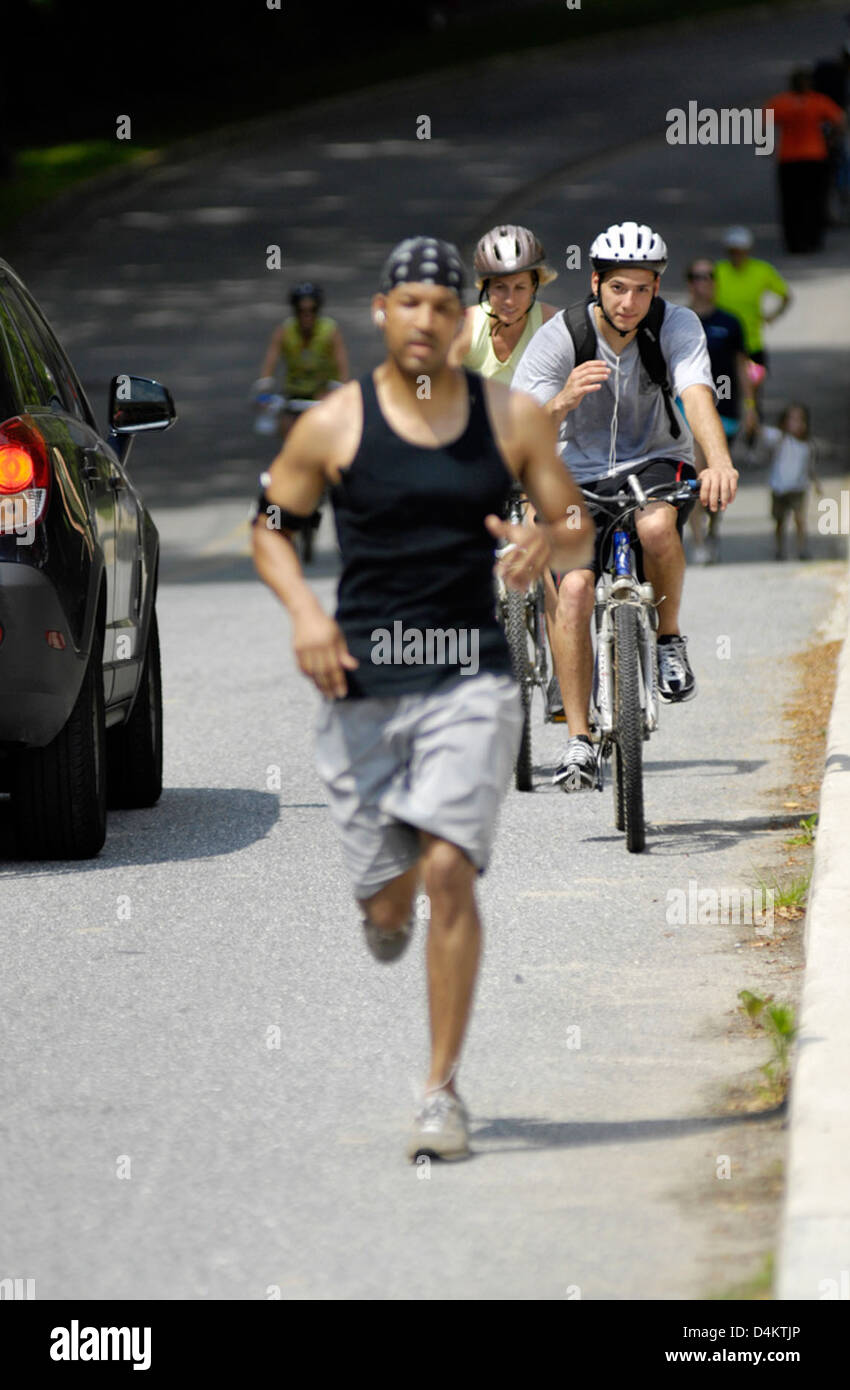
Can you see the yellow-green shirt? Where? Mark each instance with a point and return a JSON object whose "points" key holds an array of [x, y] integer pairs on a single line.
{"points": [[309, 365], [482, 359], [740, 292]]}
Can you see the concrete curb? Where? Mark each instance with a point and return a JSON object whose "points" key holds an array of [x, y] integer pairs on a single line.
{"points": [[814, 1253]]}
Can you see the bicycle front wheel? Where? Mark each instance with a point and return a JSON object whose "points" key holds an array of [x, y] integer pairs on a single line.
{"points": [[617, 779], [516, 631], [628, 733]]}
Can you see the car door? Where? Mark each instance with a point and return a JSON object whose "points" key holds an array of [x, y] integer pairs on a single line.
{"points": [[128, 586], [81, 460]]}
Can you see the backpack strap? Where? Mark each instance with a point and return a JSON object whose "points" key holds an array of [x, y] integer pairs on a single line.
{"points": [[581, 330], [583, 334], [649, 347]]}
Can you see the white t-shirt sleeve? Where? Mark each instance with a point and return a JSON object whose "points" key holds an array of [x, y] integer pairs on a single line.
{"points": [[685, 349], [547, 362]]}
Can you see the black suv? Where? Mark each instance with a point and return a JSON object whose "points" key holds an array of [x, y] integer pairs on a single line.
{"points": [[80, 696]]}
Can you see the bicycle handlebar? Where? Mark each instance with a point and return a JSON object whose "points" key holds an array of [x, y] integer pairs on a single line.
{"points": [[678, 491]]}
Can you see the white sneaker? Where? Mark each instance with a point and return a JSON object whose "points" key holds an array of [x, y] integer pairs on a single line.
{"points": [[576, 771], [675, 678], [441, 1128]]}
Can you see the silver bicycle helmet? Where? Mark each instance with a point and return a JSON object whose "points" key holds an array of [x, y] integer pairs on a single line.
{"points": [[626, 243], [508, 250]]}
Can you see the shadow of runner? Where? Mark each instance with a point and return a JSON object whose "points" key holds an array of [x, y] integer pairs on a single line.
{"points": [[532, 1133]]}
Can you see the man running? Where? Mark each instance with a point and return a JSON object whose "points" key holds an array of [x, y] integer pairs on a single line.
{"points": [[421, 720], [614, 421]]}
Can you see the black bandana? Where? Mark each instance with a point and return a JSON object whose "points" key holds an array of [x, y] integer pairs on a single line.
{"points": [[426, 261]]}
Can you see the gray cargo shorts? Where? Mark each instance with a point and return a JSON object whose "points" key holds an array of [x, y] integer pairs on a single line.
{"points": [[439, 761]]}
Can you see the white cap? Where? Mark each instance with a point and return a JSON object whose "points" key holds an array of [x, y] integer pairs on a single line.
{"points": [[739, 238]]}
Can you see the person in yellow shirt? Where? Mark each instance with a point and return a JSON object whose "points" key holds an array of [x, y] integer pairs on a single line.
{"points": [[741, 282], [510, 266], [311, 348]]}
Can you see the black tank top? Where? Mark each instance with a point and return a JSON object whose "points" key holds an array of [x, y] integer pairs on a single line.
{"points": [[415, 601]]}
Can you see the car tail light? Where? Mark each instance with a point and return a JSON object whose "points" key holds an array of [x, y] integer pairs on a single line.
{"points": [[24, 474]]}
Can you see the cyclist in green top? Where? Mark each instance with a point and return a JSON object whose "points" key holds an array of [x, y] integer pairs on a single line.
{"points": [[741, 281], [312, 350]]}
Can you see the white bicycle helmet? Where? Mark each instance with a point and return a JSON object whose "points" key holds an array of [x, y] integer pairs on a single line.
{"points": [[738, 238], [626, 243]]}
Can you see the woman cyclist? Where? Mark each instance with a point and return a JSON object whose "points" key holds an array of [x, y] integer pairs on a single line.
{"points": [[313, 353], [311, 348], [510, 267]]}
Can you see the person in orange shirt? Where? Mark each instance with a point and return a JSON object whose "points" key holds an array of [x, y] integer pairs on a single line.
{"points": [[801, 115]]}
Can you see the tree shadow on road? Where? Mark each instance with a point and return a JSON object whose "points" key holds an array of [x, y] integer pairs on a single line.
{"points": [[665, 838]]}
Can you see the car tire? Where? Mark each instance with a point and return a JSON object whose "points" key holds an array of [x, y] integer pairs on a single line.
{"points": [[59, 792], [134, 749]]}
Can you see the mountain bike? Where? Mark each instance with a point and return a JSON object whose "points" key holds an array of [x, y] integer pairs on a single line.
{"points": [[624, 696], [521, 614]]}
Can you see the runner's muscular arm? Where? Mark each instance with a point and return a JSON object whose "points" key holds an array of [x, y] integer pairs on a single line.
{"points": [[719, 480], [528, 437], [298, 477]]}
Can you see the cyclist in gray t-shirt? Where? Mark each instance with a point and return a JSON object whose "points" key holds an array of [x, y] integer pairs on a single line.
{"points": [[612, 420]]}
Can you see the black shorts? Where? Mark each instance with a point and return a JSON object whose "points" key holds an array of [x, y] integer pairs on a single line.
{"points": [[784, 502], [651, 474]]}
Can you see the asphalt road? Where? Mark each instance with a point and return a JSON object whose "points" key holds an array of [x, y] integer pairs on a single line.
{"points": [[161, 1138]]}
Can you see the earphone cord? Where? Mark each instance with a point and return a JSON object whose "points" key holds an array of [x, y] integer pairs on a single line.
{"points": [[612, 443]]}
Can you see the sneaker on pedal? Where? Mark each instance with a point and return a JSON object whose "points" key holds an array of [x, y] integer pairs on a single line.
{"points": [[576, 770], [554, 702], [675, 677]]}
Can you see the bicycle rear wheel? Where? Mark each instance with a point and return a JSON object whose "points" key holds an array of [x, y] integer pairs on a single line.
{"points": [[516, 631], [628, 768]]}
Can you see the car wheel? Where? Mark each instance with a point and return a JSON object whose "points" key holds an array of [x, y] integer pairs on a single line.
{"points": [[59, 792], [134, 749]]}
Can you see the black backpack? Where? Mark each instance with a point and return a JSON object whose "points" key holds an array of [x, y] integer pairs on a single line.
{"points": [[649, 346]]}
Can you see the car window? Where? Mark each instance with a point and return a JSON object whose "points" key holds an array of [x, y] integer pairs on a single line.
{"points": [[52, 367], [65, 371], [47, 385], [18, 387]]}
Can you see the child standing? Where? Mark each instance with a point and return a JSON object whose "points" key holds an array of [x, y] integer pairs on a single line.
{"points": [[791, 471]]}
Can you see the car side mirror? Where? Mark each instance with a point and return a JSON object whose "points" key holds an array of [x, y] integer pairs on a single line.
{"points": [[136, 403]]}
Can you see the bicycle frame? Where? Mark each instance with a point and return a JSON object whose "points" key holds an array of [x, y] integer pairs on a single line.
{"points": [[619, 584]]}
